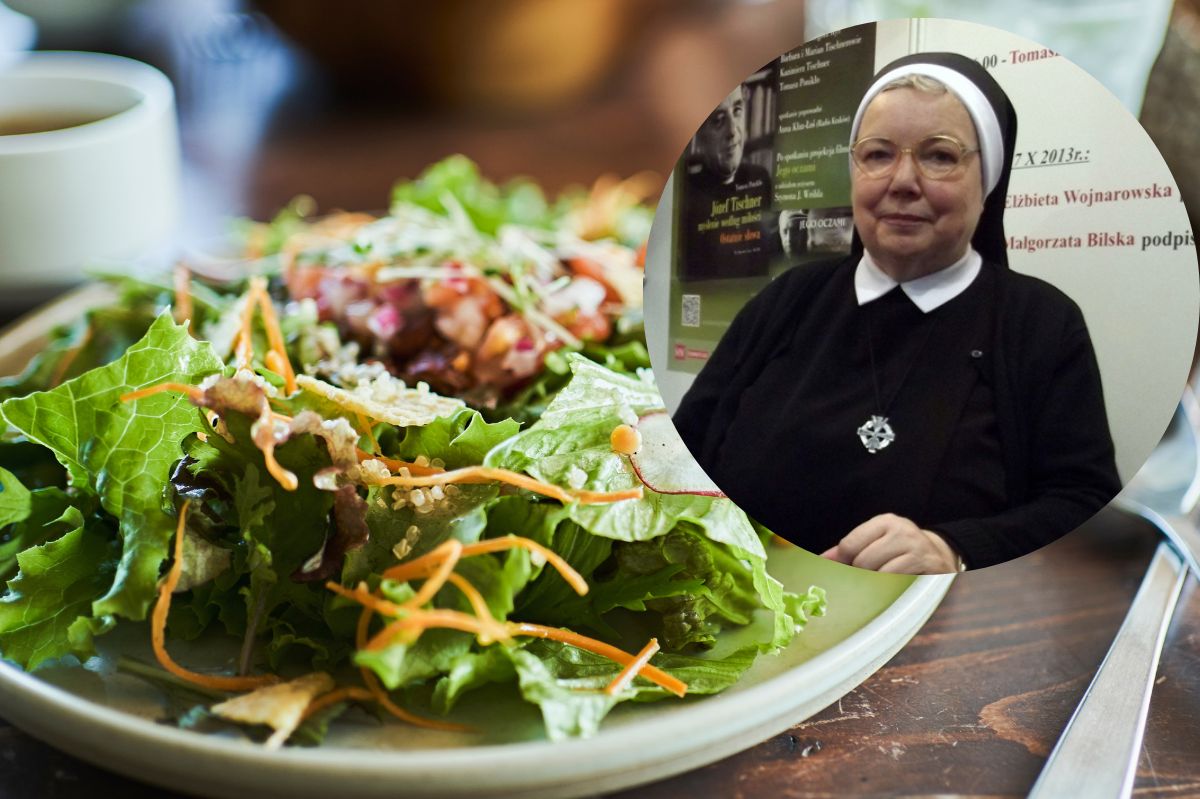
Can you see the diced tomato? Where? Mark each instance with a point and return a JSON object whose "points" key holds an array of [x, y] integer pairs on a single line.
{"points": [[589, 268], [590, 326], [303, 282]]}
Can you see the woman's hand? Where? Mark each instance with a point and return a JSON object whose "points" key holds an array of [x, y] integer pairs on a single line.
{"points": [[891, 543]]}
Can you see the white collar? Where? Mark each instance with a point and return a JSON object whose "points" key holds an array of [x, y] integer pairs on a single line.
{"points": [[928, 292]]}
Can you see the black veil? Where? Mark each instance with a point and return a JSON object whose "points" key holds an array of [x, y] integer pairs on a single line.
{"points": [[989, 239]]}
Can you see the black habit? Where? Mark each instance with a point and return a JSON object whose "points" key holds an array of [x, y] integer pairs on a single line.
{"points": [[1002, 441]]}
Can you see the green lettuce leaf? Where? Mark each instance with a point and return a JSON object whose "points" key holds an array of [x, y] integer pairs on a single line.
{"points": [[459, 515], [123, 451], [571, 446], [704, 674], [15, 502], [215, 601], [459, 440], [568, 684], [280, 529], [498, 578], [47, 611], [704, 563], [306, 642], [571, 707], [549, 599], [46, 520], [471, 670], [433, 654], [487, 205]]}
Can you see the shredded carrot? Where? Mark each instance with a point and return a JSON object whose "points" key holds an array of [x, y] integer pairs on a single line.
{"points": [[455, 620], [368, 270], [598, 207], [573, 578], [437, 567], [183, 293], [608, 196], [385, 701], [406, 617], [276, 358], [244, 348], [193, 392], [655, 675], [374, 688], [421, 620], [448, 553], [495, 632], [622, 680], [273, 362], [274, 333], [285, 478], [414, 569], [350, 693], [158, 627], [364, 624], [364, 597], [487, 474], [424, 565], [264, 438]]}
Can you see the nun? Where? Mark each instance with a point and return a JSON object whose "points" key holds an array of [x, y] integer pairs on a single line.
{"points": [[916, 407]]}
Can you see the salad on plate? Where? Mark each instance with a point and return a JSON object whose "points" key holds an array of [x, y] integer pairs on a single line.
{"points": [[392, 459]]}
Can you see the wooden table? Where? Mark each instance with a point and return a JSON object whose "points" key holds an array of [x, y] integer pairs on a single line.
{"points": [[974, 703]]}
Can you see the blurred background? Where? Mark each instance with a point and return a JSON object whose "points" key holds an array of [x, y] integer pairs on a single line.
{"points": [[338, 100]]}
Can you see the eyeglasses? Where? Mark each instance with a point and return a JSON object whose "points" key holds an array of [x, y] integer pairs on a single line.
{"points": [[936, 158]]}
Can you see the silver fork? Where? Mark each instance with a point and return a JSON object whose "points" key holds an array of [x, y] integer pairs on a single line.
{"points": [[1097, 754]]}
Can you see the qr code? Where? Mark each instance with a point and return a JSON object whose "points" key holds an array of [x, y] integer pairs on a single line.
{"points": [[691, 310]]}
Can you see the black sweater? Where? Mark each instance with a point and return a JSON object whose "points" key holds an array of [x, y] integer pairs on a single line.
{"points": [[1045, 388]]}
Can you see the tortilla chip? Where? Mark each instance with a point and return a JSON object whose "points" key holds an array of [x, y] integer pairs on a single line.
{"points": [[280, 707], [387, 399]]}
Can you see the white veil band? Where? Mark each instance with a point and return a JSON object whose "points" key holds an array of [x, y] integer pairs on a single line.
{"points": [[987, 126]]}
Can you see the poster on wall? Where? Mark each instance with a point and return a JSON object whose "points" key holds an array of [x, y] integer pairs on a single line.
{"points": [[763, 185], [726, 185]]}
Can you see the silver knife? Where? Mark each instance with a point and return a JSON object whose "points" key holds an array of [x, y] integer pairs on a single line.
{"points": [[1097, 754]]}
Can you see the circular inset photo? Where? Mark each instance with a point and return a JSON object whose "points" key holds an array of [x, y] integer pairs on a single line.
{"points": [[921, 296]]}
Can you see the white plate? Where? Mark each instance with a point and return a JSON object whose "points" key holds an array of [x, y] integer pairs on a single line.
{"points": [[108, 718]]}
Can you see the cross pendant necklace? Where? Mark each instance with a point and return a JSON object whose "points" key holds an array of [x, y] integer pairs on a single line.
{"points": [[876, 433]]}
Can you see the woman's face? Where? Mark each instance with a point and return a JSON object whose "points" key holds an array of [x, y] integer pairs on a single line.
{"points": [[911, 225]]}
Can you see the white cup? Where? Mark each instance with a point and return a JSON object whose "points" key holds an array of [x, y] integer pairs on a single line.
{"points": [[105, 188]]}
